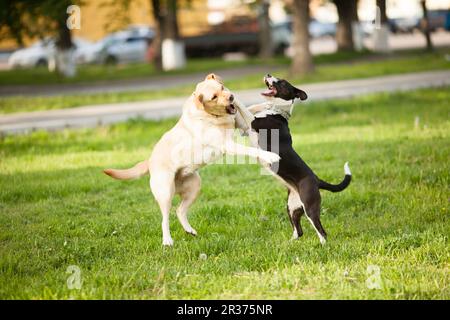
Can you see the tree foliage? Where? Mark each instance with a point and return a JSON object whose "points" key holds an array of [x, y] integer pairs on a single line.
{"points": [[20, 19]]}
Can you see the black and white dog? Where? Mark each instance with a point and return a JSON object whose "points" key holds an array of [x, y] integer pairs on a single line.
{"points": [[303, 185]]}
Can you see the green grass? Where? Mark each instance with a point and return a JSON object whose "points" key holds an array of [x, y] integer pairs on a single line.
{"points": [[57, 209], [370, 66], [94, 73]]}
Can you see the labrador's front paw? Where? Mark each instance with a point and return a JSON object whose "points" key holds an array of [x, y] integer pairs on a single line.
{"points": [[270, 157], [168, 242]]}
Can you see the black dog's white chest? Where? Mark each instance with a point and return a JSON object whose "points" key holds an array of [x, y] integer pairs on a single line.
{"points": [[272, 127]]}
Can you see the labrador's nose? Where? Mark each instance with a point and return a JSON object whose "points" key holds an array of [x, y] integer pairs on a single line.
{"points": [[231, 97]]}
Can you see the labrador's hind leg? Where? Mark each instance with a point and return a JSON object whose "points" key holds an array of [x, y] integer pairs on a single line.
{"points": [[163, 187], [188, 187]]}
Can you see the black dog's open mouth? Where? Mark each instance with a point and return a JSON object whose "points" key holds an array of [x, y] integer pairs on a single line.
{"points": [[271, 90], [231, 109]]}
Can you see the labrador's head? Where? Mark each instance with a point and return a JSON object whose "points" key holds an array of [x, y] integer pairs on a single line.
{"points": [[212, 97]]}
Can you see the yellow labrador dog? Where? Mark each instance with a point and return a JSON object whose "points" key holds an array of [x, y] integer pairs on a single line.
{"points": [[203, 134]]}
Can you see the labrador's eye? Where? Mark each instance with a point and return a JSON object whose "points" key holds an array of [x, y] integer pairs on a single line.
{"points": [[214, 97]]}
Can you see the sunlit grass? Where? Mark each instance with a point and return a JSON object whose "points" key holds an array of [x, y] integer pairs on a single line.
{"points": [[58, 209]]}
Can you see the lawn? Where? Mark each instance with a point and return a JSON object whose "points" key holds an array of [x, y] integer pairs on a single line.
{"points": [[95, 73], [329, 68], [58, 209]]}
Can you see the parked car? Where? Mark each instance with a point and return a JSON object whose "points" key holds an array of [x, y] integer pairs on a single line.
{"points": [[130, 45], [281, 37], [238, 35], [87, 52], [394, 25], [438, 19], [319, 29], [405, 25], [217, 44], [36, 55], [41, 53], [316, 28]]}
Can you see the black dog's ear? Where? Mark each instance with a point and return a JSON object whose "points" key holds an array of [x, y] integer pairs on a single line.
{"points": [[300, 94]]}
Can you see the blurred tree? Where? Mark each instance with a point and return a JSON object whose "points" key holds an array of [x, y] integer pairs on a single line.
{"points": [[381, 30], [39, 18], [426, 25], [346, 12], [164, 14], [357, 31], [13, 20], [157, 40], [117, 16], [166, 27], [261, 8], [171, 29], [381, 4], [265, 31], [302, 62]]}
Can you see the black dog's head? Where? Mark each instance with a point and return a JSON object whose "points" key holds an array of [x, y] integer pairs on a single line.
{"points": [[280, 88]]}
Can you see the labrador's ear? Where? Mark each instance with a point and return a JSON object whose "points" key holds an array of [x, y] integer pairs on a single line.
{"points": [[213, 76], [300, 94], [199, 101]]}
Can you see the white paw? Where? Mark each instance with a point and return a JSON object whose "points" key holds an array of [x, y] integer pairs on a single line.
{"points": [[191, 231], [323, 241], [168, 241], [295, 235], [270, 157]]}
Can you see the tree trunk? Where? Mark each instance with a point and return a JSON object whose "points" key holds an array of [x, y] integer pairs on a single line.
{"points": [[265, 32], [171, 30], [173, 53], [426, 25], [357, 32], [381, 4], [157, 40], [302, 62], [168, 51], [64, 58], [381, 31], [344, 36]]}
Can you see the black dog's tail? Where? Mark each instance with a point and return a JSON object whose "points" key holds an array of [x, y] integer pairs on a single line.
{"points": [[338, 187]]}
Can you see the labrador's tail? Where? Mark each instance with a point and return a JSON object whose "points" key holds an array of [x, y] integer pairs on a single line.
{"points": [[338, 187], [137, 171]]}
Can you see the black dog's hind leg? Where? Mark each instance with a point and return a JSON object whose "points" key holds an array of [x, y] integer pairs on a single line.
{"points": [[310, 196], [296, 216], [295, 212], [313, 214]]}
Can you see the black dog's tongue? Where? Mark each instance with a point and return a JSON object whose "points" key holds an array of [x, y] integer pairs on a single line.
{"points": [[269, 92]]}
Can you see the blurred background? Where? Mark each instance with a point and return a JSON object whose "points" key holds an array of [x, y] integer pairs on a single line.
{"points": [[165, 34], [111, 78]]}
